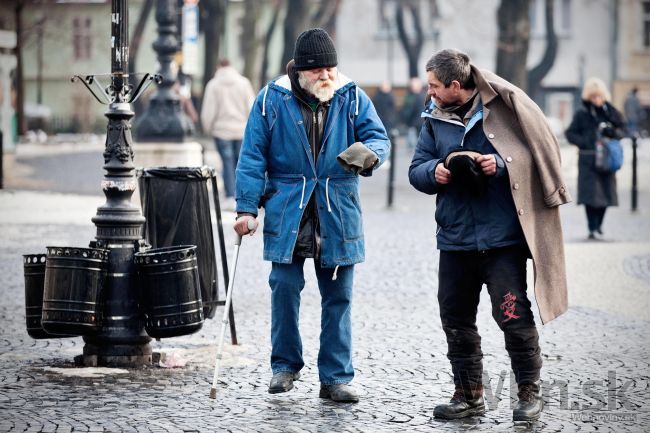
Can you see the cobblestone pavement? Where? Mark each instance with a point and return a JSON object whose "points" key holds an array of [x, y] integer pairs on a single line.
{"points": [[596, 356]]}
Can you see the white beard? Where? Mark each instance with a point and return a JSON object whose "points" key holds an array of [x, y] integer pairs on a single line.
{"points": [[322, 90]]}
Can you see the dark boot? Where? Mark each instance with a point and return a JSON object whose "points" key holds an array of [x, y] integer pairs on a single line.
{"points": [[282, 381], [530, 404], [461, 405], [340, 393]]}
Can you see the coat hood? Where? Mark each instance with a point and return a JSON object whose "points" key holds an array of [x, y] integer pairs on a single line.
{"points": [[227, 74]]}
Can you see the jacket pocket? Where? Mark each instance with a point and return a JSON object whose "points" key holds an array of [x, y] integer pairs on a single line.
{"points": [[349, 208], [275, 207]]}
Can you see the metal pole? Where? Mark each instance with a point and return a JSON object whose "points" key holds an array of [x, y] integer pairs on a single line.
{"points": [[39, 61], [164, 119], [122, 340], [391, 171], [224, 259], [635, 191], [1, 160]]}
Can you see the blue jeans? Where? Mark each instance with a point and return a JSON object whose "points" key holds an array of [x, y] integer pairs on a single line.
{"points": [[229, 153], [335, 354]]}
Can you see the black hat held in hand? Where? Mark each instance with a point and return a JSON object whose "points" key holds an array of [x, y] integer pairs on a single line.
{"points": [[314, 49], [465, 172]]}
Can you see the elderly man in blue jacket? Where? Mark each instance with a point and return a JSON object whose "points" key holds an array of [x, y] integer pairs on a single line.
{"points": [[309, 136]]}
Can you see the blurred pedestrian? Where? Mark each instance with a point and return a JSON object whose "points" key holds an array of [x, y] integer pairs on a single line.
{"points": [[596, 190], [306, 176], [633, 112], [384, 102], [184, 91], [411, 110], [227, 101], [498, 184]]}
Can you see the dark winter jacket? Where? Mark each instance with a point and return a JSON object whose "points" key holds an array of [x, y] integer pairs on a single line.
{"points": [[412, 108], [385, 105], [314, 117], [594, 188], [466, 221]]}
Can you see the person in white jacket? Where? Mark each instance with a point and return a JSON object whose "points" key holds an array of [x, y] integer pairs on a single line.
{"points": [[227, 101]]}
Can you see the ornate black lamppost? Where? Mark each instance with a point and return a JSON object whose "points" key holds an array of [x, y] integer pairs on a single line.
{"points": [[164, 119], [121, 340]]}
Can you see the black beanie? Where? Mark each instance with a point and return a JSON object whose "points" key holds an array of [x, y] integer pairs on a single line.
{"points": [[314, 49]]}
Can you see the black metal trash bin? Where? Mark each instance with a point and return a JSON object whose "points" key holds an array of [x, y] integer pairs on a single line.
{"points": [[74, 283], [176, 205], [34, 271], [171, 296]]}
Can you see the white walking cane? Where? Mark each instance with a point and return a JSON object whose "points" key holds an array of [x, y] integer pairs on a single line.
{"points": [[224, 322]]}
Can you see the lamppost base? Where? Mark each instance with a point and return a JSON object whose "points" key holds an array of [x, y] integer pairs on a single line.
{"points": [[130, 356]]}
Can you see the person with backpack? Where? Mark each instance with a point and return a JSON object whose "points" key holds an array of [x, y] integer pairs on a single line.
{"points": [[311, 134], [596, 120]]}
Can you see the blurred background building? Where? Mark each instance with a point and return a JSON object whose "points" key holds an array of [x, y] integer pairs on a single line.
{"points": [[548, 47]]}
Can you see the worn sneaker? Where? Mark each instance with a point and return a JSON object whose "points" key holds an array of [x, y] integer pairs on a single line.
{"points": [[340, 393], [460, 407], [282, 382], [530, 404]]}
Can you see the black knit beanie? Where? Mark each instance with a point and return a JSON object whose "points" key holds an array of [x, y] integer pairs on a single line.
{"points": [[314, 49]]}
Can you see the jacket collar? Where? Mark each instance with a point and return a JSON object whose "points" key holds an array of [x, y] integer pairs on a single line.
{"points": [[482, 80], [283, 84], [473, 115]]}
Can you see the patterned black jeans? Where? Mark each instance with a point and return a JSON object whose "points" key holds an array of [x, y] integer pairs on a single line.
{"points": [[461, 276]]}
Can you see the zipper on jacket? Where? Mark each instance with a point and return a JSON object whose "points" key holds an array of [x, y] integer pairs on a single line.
{"points": [[314, 134]]}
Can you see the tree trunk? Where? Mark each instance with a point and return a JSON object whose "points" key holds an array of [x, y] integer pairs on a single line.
{"points": [[213, 16], [267, 42], [537, 74], [20, 81], [249, 41], [136, 40], [412, 48], [513, 19], [325, 16], [295, 22]]}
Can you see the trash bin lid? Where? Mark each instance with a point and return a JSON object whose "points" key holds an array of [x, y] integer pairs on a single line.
{"points": [[177, 173]]}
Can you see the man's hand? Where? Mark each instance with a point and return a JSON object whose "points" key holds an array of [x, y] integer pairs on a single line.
{"points": [[442, 175], [488, 164], [241, 225]]}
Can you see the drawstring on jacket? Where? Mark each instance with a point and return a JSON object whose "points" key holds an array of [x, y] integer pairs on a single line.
{"points": [[266, 90], [356, 96], [302, 197], [327, 195], [334, 276]]}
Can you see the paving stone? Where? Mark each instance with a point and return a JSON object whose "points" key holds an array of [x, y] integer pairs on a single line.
{"points": [[400, 351]]}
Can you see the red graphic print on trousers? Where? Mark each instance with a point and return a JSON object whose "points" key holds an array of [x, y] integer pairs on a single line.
{"points": [[508, 307]]}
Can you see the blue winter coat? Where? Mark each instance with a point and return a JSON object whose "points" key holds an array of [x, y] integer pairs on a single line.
{"points": [[276, 163]]}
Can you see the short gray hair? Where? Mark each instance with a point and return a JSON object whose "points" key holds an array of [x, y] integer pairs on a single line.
{"points": [[450, 65]]}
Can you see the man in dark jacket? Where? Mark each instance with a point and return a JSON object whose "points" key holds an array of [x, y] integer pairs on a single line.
{"points": [[411, 109], [308, 137], [479, 234], [384, 102]]}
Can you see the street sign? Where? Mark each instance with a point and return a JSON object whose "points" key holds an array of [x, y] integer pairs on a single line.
{"points": [[190, 34]]}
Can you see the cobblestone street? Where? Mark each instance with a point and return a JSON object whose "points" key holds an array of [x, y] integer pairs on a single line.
{"points": [[596, 356]]}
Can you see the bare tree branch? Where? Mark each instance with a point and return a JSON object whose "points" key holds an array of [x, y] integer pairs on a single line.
{"points": [[411, 48]]}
